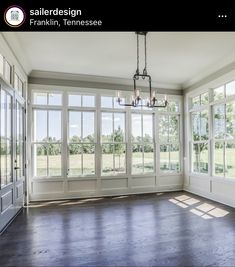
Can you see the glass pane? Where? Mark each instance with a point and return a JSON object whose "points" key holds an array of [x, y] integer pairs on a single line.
{"points": [[230, 88], [7, 72], [75, 100], [40, 125], [3, 162], [54, 99], [40, 98], [219, 121], [204, 98], [75, 126], [9, 120], [1, 64], [75, 160], [19, 158], [219, 93], [173, 106], [148, 158], [230, 120], [88, 127], [54, 133], [219, 159], [147, 128], [163, 128], [164, 158], [9, 162], [54, 160], [119, 127], [196, 125], [107, 159], [136, 128], [204, 127], [3, 114], [88, 159], [137, 159], [106, 102], [40, 160], [175, 158], [196, 158], [120, 158], [88, 101], [203, 157], [230, 160], [173, 128], [107, 127], [196, 101]]}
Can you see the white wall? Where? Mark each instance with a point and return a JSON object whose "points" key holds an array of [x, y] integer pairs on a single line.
{"points": [[216, 188]]}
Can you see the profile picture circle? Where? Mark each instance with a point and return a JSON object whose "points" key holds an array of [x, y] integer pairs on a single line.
{"points": [[14, 16]]}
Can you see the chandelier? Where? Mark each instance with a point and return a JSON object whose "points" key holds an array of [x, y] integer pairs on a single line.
{"points": [[136, 99]]}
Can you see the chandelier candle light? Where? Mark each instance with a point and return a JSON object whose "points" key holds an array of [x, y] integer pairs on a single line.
{"points": [[136, 100]]}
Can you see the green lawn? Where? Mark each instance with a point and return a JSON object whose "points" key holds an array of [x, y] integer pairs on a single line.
{"points": [[107, 159]]}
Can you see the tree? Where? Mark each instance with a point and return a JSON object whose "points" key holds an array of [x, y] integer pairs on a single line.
{"points": [[118, 138]]}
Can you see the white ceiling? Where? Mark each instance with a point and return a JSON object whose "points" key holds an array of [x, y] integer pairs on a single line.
{"points": [[175, 59]]}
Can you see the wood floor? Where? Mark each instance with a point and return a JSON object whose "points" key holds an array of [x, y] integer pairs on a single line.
{"points": [[170, 229]]}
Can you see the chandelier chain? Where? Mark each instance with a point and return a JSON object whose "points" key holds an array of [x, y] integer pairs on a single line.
{"points": [[136, 99], [137, 70], [145, 52]]}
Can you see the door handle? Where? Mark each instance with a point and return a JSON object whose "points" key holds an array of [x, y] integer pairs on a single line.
{"points": [[16, 168]]}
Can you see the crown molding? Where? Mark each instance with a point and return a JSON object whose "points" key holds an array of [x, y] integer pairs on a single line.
{"points": [[97, 79]]}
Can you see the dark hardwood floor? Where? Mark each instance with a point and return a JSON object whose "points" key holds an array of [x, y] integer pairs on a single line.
{"points": [[170, 229]]}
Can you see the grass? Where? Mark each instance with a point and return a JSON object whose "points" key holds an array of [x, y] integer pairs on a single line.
{"points": [[89, 163]]}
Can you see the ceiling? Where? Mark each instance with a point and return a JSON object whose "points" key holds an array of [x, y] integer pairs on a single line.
{"points": [[175, 59]]}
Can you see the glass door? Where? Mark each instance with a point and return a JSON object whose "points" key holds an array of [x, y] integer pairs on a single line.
{"points": [[19, 159]]}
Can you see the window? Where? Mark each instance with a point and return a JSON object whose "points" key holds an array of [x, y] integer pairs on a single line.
{"points": [[224, 91], [200, 136], [6, 138], [52, 99], [230, 88], [224, 139], [110, 102], [200, 100], [77, 100], [81, 143], [86, 157], [113, 143], [169, 143], [142, 143], [47, 143]]}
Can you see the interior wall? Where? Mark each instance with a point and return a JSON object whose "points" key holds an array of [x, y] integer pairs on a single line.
{"points": [[46, 189], [216, 188]]}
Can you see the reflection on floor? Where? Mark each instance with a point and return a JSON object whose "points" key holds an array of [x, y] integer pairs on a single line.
{"points": [[204, 210], [159, 229]]}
